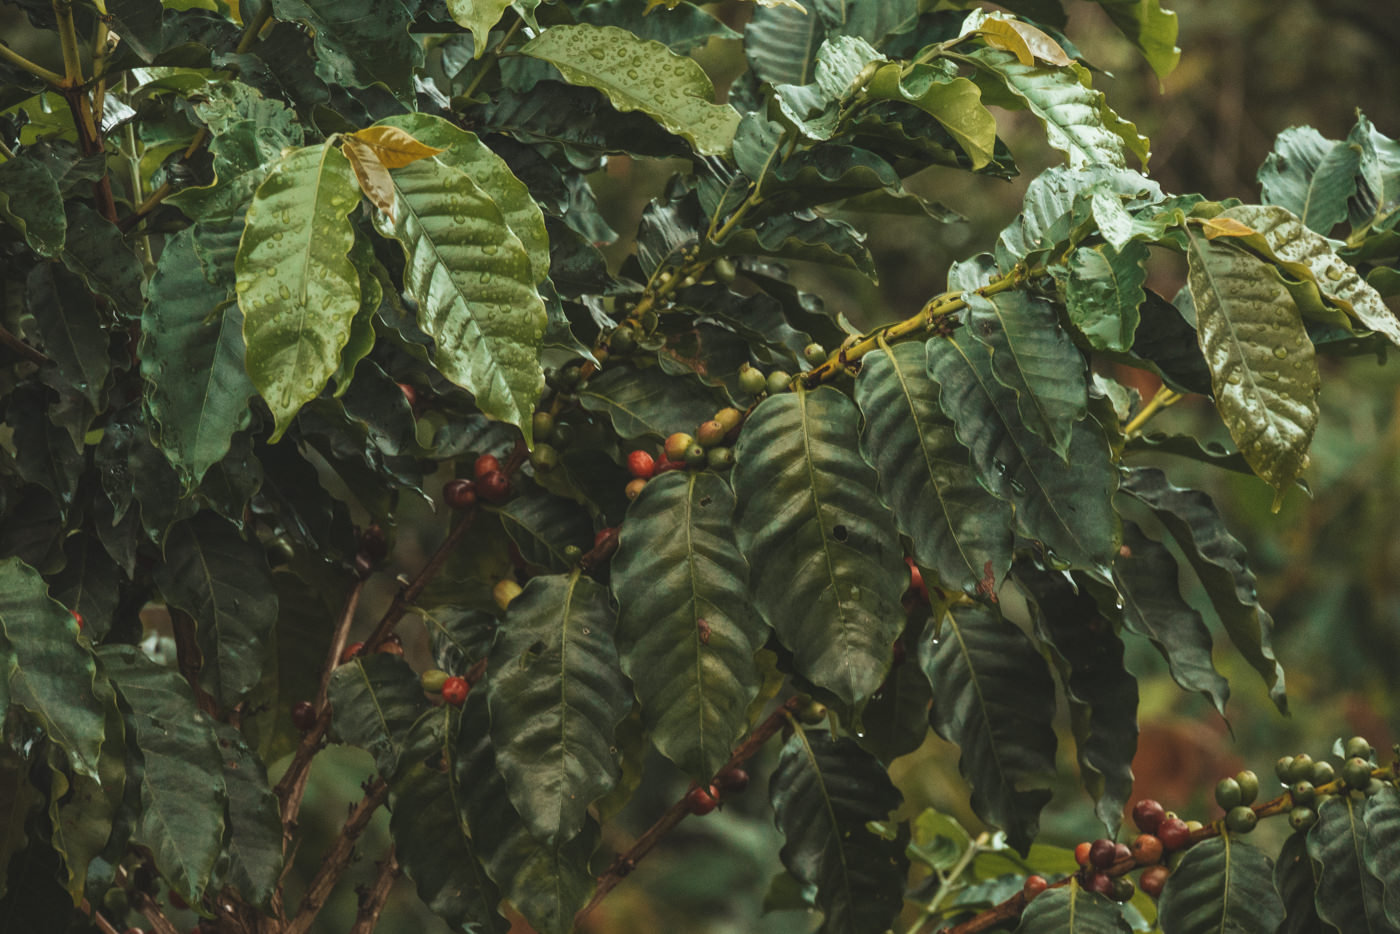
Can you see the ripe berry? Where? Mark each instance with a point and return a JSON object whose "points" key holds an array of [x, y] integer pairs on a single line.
{"points": [[1100, 884], [634, 487], [603, 535], [1033, 886], [732, 781], [303, 715], [1121, 853], [777, 382], [494, 487], [454, 690], [542, 426], [1148, 814], [1102, 853], [1081, 853], [485, 464], [641, 465], [1241, 819], [391, 646], [710, 433], [459, 494], [1356, 773], [677, 444], [78, 618], [351, 651], [729, 418], [432, 680], [410, 394], [1154, 879], [702, 801], [916, 581], [664, 463], [1173, 833], [751, 381], [1147, 849]]}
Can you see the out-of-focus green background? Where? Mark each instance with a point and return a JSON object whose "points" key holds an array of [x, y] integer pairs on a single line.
{"points": [[1328, 566]]}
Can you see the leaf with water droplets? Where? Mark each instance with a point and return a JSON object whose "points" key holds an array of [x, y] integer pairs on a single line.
{"points": [[478, 16], [1262, 366], [956, 103], [296, 285], [395, 147], [642, 75], [30, 200]]}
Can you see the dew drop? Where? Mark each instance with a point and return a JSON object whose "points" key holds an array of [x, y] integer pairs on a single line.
{"points": [[1280, 352]]}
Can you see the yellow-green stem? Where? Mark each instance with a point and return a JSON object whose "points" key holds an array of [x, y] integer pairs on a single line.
{"points": [[1161, 400], [491, 56], [23, 64], [68, 40]]}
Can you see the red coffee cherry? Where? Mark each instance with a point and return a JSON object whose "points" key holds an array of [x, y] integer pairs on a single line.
{"points": [[454, 690], [1033, 886], [1081, 853], [303, 715], [494, 487], [459, 494], [1153, 879], [641, 464], [1148, 814], [732, 781], [1173, 833], [1147, 850], [351, 651], [485, 464], [701, 801]]}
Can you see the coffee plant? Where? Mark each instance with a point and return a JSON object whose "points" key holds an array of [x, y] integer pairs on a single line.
{"points": [[275, 273]]}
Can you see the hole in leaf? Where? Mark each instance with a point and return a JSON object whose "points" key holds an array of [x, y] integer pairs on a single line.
{"points": [[839, 533]]}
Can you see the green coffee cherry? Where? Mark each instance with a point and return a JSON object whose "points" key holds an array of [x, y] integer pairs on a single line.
{"points": [[1303, 793], [432, 680], [544, 457], [572, 553], [751, 380], [1241, 819], [1283, 768], [1249, 786], [1322, 773], [814, 353], [1302, 769], [1357, 748], [622, 340], [811, 713], [1302, 818], [777, 382], [1356, 773], [719, 459], [542, 424], [1228, 794], [695, 455]]}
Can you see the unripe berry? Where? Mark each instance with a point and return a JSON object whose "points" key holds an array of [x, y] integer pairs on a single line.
{"points": [[1123, 889], [730, 418], [432, 680], [701, 801], [814, 353], [751, 380], [1081, 853], [623, 340], [677, 444], [1304, 793], [1283, 768], [542, 425], [1249, 786], [1241, 819], [303, 715], [459, 493], [719, 459], [494, 487], [1154, 879], [1357, 748], [710, 433], [454, 690], [1356, 773], [485, 464], [505, 591], [1322, 773], [544, 457], [1301, 768], [777, 382], [811, 713], [641, 465], [1227, 793], [695, 456], [634, 487], [1302, 818]]}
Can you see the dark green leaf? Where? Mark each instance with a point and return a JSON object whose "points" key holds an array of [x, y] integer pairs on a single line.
{"points": [[359, 42], [824, 791], [21, 799], [376, 699], [1166, 340], [1071, 910], [31, 202], [1149, 27], [1349, 896], [686, 631], [1223, 884], [955, 102], [83, 811], [1295, 877], [44, 452], [543, 526], [647, 401], [925, 474], [89, 583], [1310, 175], [803, 235], [556, 694], [95, 250], [68, 328], [681, 28], [994, 697], [1381, 814], [895, 721], [254, 820], [781, 44], [579, 118], [824, 552], [1104, 291]]}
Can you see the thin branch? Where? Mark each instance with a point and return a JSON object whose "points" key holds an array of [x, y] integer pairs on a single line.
{"points": [[68, 40], [7, 339], [626, 862], [148, 907], [407, 595], [189, 660], [337, 858], [1161, 400], [98, 918], [23, 64], [373, 899], [338, 640]]}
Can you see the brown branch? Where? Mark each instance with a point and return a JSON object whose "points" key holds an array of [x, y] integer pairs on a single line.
{"points": [[98, 918], [337, 857], [372, 899], [407, 595], [623, 865], [338, 640], [148, 907], [190, 660], [9, 340]]}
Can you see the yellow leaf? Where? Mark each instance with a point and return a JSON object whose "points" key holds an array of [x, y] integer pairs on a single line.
{"points": [[1226, 227], [371, 172], [1025, 41], [394, 147], [1000, 34]]}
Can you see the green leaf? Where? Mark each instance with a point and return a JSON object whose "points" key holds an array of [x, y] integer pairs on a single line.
{"points": [[222, 580], [47, 670], [478, 16], [925, 475], [18, 800], [1102, 694], [31, 202], [95, 250], [69, 329], [825, 556], [954, 102], [1149, 27], [1104, 291], [1308, 255], [556, 694], [1295, 877], [254, 820], [546, 883], [1077, 119], [994, 697], [686, 631], [814, 108], [466, 153], [1222, 884], [781, 44], [824, 792], [1261, 361], [1220, 561], [576, 118], [472, 280], [181, 817], [1066, 507], [639, 74], [682, 28], [359, 42], [297, 288], [803, 235], [1167, 342], [1349, 896], [1071, 910], [89, 583], [197, 387], [895, 721], [376, 698], [430, 835], [83, 811], [1146, 579], [543, 526], [44, 451], [1310, 175], [1381, 814], [647, 401]]}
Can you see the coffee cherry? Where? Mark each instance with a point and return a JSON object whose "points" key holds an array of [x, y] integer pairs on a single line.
{"points": [[78, 618], [664, 463], [1227, 793], [811, 713], [729, 418], [1356, 773], [1147, 815], [622, 340], [1302, 768], [572, 553], [719, 459], [391, 646], [1033, 886], [1154, 879], [351, 651], [1123, 889], [116, 902], [563, 436], [677, 444], [1302, 818], [634, 487], [1249, 786], [542, 426], [1147, 850], [814, 353], [303, 715], [485, 464], [410, 394], [641, 465], [494, 487], [1303, 793], [732, 781], [1100, 884], [1173, 833], [701, 801], [1241, 819], [1102, 853], [695, 456], [374, 544], [432, 680], [1322, 773], [459, 494], [455, 690], [604, 534], [505, 591], [751, 380], [1081, 853], [710, 433], [1357, 748], [777, 382], [1283, 768], [544, 457]]}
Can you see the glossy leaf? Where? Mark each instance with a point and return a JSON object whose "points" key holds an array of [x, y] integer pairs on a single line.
{"points": [[956, 103], [1311, 176], [472, 280], [1149, 27], [781, 44], [686, 632], [1349, 896], [1066, 505], [556, 694], [544, 525], [1071, 910], [578, 118], [1295, 877], [30, 202], [183, 796], [642, 75], [192, 359], [1103, 293], [925, 475], [478, 16], [296, 286], [95, 249], [430, 834], [826, 569], [803, 235], [68, 328], [1221, 563], [1145, 575], [254, 820], [46, 670], [824, 791], [1262, 366], [376, 699], [1223, 884], [994, 697], [84, 812], [359, 42], [682, 28], [647, 402], [222, 581]]}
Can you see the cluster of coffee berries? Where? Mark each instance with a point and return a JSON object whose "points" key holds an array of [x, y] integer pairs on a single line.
{"points": [[702, 799], [1307, 779], [489, 482], [1105, 863], [706, 448], [453, 688], [1234, 796], [753, 382]]}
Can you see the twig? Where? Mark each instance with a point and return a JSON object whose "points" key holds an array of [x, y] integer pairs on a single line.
{"points": [[337, 857], [148, 907], [23, 64], [626, 862], [98, 918], [338, 640], [1161, 400], [20, 347], [373, 899], [188, 658], [406, 596]]}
